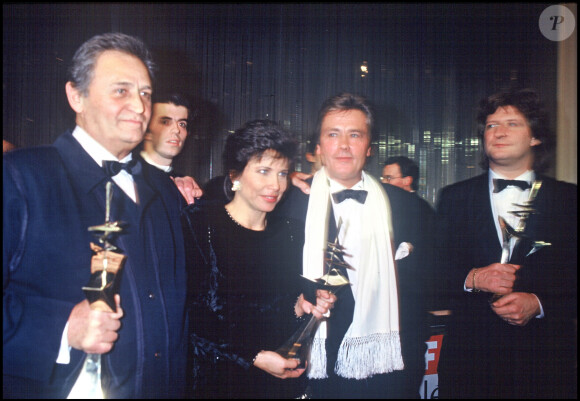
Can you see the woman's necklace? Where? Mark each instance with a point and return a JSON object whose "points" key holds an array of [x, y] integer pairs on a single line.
{"points": [[234, 220], [238, 223]]}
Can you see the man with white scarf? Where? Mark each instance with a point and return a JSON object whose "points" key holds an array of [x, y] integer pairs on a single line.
{"points": [[372, 345]]}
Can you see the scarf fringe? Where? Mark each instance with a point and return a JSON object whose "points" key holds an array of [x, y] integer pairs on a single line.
{"points": [[363, 357], [317, 365]]}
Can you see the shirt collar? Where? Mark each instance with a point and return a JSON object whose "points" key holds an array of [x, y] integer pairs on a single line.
{"points": [[148, 159], [528, 176], [97, 151], [336, 187]]}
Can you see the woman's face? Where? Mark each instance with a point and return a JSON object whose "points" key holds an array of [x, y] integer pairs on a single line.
{"points": [[263, 181]]}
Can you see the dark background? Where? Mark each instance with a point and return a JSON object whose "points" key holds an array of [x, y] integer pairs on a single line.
{"points": [[428, 67]]}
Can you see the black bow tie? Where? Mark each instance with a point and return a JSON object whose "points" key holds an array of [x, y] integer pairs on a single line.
{"points": [[359, 195], [112, 168], [500, 184]]}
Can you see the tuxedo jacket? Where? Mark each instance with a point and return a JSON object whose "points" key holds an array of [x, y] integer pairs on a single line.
{"points": [[51, 195], [477, 340], [412, 220]]}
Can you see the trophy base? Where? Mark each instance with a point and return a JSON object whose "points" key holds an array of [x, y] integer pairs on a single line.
{"points": [[104, 281], [102, 297], [299, 345]]}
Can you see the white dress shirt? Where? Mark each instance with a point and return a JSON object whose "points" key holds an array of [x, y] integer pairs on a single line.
{"points": [[350, 212], [505, 201], [98, 152], [502, 203], [124, 180]]}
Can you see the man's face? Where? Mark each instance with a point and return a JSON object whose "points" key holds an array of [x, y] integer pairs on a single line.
{"points": [[167, 131], [392, 175], [344, 145], [117, 107], [508, 140]]}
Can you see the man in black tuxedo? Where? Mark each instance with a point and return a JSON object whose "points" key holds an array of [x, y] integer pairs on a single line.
{"points": [[51, 196], [382, 313], [520, 343]]}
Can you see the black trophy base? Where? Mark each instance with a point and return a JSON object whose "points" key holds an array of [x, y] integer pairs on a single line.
{"points": [[101, 296]]}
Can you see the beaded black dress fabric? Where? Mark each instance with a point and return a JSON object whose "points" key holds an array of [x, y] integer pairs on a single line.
{"points": [[243, 286]]}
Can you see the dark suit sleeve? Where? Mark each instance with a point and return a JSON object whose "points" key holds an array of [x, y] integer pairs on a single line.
{"points": [[412, 219], [413, 222], [452, 269], [32, 325], [14, 214]]}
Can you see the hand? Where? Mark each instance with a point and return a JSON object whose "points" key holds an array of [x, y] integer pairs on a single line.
{"points": [[93, 331], [517, 308], [497, 278], [274, 364], [188, 188], [299, 180], [324, 302]]}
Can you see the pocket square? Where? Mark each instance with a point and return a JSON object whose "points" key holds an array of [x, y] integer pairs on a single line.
{"points": [[404, 249]]}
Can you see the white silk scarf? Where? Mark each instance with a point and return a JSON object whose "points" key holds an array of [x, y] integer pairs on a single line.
{"points": [[372, 344]]}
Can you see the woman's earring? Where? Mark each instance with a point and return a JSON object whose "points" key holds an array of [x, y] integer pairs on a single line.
{"points": [[236, 186]]}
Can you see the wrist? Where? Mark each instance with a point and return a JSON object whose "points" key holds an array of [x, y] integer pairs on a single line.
{"points": [[256, 358], [298, 311], [473, 282]]}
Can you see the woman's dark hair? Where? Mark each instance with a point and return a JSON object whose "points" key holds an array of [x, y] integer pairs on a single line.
{"points": [[251, 141], [527, 102]]}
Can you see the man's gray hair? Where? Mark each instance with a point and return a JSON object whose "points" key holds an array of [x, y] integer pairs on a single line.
{"points": [[83, 63]]}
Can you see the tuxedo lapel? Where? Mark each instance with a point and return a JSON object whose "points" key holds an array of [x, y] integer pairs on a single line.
{"points": [[533, 228], [540, 204], [87, 178], [145, 192], [483, 218], [84, 172]]}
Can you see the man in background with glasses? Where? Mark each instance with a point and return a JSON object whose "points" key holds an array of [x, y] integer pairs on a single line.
{"points": [[401, 172]]}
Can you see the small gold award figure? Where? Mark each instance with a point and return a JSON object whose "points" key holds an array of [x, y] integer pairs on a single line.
{"points": [[103, 284], [105, 264], [299, 345]]}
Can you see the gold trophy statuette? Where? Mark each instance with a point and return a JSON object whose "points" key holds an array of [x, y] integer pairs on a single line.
{"points": [[298, 346], [103, 284], [508, 232]]}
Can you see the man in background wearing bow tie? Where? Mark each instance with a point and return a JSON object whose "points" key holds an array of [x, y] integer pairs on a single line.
{"points": [[522, 345], [51, 195], [373, 343]]}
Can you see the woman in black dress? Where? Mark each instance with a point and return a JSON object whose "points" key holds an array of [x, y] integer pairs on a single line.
{"points": [[245, 274]]}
